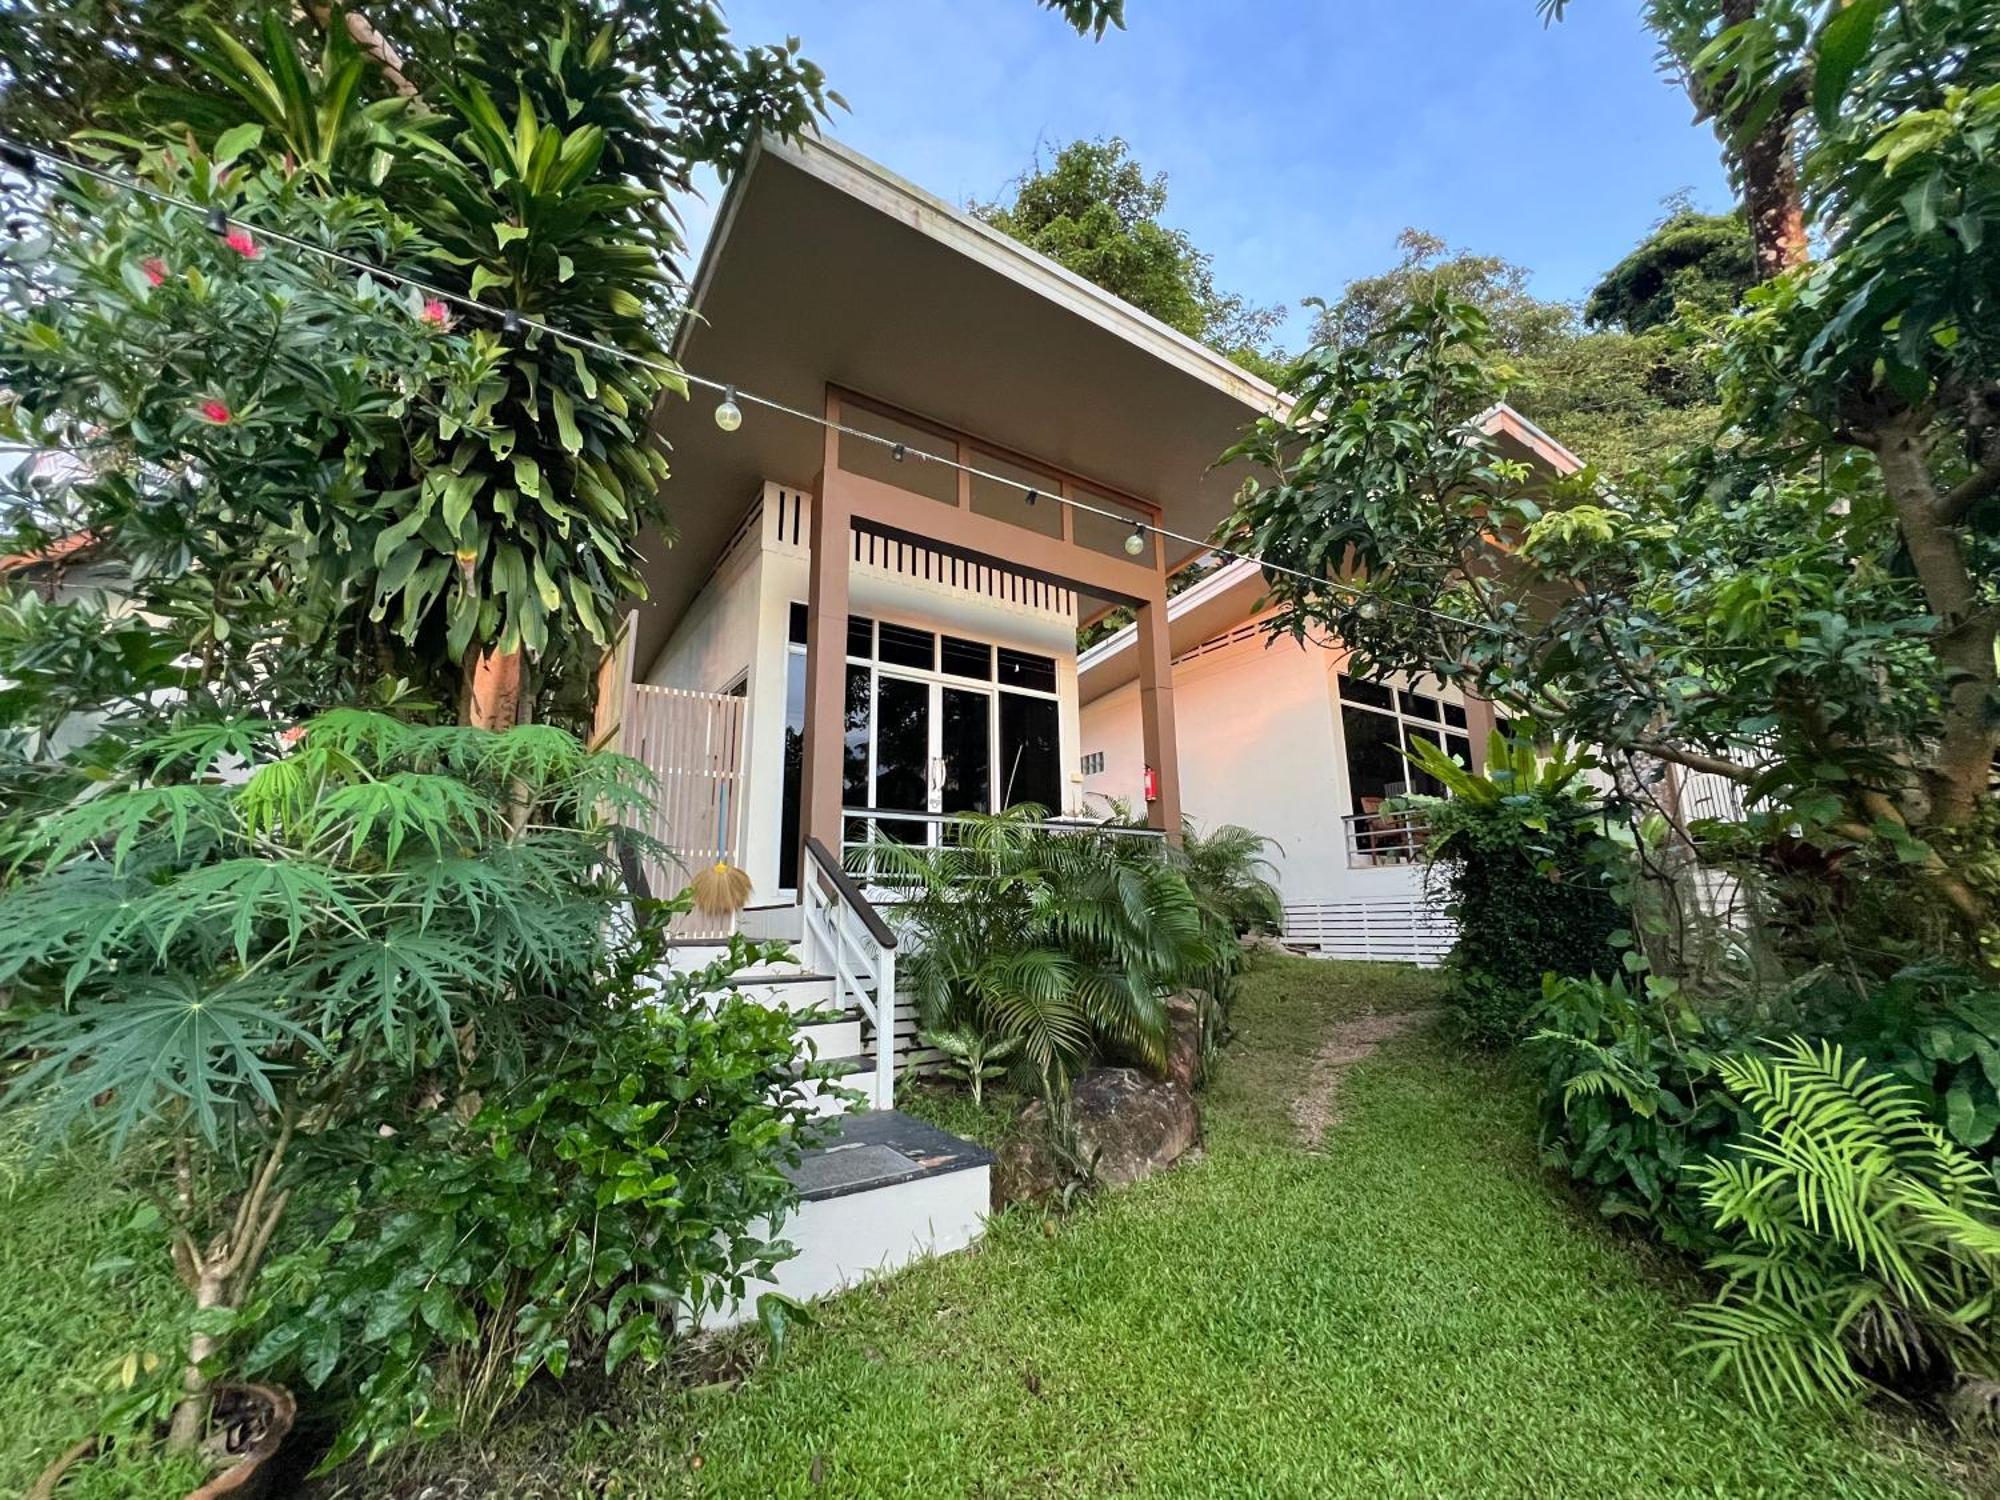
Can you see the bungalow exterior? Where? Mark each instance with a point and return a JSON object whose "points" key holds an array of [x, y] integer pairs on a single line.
{"points": [[1279, 737], [864, 621]]}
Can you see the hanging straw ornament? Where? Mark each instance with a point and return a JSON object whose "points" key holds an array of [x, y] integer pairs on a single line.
{"points": [[721, 890]]}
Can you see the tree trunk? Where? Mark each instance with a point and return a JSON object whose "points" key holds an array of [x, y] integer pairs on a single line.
{"points": [[190, 1419], [492, 694], [1770, 173]]}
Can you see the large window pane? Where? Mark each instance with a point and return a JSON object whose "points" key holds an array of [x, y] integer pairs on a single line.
{"points": [[1030, 753], [1421, 781], [902, 744], [854, 768], [795, 761], [1376, 769], [966, 741]]}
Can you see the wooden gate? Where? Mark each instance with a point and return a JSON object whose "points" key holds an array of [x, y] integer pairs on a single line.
{"points": [[693, 744]]}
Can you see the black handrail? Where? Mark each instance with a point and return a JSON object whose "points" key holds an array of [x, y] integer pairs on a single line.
{"points": [[851, 894]]}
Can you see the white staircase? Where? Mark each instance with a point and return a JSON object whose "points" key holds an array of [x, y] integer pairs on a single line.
{"points": [[888, 1189]]}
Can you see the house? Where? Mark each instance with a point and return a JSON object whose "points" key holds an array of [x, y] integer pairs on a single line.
{"points": [[865, 620], [1279, 737], [937, 455]]}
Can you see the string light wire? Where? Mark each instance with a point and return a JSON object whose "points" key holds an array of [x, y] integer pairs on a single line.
{"points": [[21, 154]]}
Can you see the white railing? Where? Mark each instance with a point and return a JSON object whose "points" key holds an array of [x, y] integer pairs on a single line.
{"points": [[869, 828], [1384, 838], [846, 937], [693, 744]]}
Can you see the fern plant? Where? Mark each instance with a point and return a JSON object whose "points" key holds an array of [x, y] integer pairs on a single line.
{"points": [[243, 932], [1867, 1244]]}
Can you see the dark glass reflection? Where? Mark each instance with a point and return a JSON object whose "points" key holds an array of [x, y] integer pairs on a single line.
{"points": [[902, 744], [965, 731], [1030, 753]]}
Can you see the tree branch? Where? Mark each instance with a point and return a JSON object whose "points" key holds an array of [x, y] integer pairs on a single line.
{"points": [[1697, 760], [1958, 501]]}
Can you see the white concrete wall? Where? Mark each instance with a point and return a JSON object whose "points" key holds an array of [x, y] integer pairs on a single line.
{"points": [[1258, 729]]}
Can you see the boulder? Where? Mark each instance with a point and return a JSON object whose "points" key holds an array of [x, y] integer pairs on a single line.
{"points": [[1129, 1125], [1184, 1042]]}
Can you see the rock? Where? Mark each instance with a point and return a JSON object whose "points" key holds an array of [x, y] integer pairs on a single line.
{"points": [[1265, 942], [1129, 1125], [1184, 1060]]}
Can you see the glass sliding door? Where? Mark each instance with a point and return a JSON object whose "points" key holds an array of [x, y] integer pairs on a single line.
{"points": [[935, 726], [903, 737], [965, 750]]}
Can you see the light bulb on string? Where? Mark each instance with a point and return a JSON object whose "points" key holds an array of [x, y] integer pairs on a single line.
{"points": [[728, 415], [1136, 542]]}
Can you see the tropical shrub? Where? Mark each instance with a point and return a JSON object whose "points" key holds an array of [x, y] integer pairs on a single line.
{"points": [[592, 1206], [972, 1056], [1066, 942], [1632, 1103], [245, 935], [1937, 1029], [1865, 1244], [1230, 872], [1527, 873]]}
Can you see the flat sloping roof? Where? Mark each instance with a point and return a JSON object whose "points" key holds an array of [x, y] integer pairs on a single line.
{"points": [[826, 268]]}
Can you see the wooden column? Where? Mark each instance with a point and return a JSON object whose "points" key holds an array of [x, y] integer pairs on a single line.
{"points": [[826, 650], [1478, 726], [1156, 712]]}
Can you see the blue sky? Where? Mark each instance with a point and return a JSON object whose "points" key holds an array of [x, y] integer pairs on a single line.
{"points": [[1298, 136]]}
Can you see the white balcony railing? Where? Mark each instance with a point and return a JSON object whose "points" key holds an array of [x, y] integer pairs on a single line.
{"points": [[1385, 838]]}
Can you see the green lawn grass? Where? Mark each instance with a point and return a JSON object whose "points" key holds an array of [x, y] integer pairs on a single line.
{"points": [[1418, 1310]]}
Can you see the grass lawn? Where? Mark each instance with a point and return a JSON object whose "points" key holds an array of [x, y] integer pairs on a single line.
{"points": [[1418, 1310], [1415, 1310]]}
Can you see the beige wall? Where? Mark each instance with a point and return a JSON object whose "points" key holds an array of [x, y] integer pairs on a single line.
{"points": [[1260, 746]]}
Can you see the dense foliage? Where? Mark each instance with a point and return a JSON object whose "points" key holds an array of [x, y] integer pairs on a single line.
{"points": [[1066, 942], [1865, 1245], [595, 1207], [1631, 1105], [1624, 381], [1518, 855], [243, 933]]}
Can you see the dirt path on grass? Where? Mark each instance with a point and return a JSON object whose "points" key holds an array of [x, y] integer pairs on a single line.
{"points": [[1317, 1109]]}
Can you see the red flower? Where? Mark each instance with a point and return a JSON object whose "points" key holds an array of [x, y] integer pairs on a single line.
{"points": [[239, 240], [435, 313], [216, 411], [155, 269]]}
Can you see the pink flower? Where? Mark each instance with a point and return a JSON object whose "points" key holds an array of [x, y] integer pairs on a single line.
{"points": [[239, 240], [155, 269], [216, 411], [435, 313]]}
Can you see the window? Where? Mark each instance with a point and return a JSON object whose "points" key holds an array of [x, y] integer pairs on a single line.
{"points": [[1027, 670], [905, 646], [963, 658], [1093, 763], [1379, 726]]}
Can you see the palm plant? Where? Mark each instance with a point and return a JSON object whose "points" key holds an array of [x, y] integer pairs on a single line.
{"points": [[1868, 1253], [1230, 872], [236, 940], [1063, 942]]}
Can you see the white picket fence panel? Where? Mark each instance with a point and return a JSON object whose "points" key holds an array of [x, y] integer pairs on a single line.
{"points": [[1407, 930]]}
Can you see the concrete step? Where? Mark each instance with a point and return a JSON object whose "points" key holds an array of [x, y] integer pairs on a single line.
{"points": [[887, 1191]]}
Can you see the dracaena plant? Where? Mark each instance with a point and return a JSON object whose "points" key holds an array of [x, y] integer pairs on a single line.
{"points": [[246, 931]]}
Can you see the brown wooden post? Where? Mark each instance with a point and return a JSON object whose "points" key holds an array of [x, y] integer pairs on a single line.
{"points": [[826, 650], [1156, 712], [1479, 725]]}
